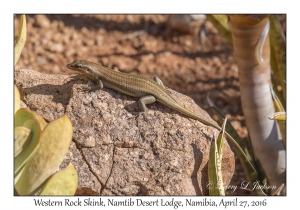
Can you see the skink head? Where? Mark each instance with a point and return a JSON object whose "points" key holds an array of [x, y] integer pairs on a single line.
{"points": [[84, 67], [77, 65]]}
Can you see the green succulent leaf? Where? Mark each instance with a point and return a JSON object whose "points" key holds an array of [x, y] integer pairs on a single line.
{"points": [[276, 101], [278, 55], [214, 165], [21, 139], [17, 98], [34, 126], [18, 174], [21, 39], [279, 115], [233, 133], [221, 23], [63, 182], [251, 175], [55, 141], [42, 122], [22, 115], [220, 140]]}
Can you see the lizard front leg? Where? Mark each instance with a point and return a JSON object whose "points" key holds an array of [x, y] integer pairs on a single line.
{"points": [[75, 77], [143, 101], [99, 85]]}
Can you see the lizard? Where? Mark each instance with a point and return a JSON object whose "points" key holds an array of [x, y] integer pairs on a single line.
{"points": [[147, 90]]}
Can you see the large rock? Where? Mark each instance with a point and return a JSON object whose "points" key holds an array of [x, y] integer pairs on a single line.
{"points": [[116, 153]]}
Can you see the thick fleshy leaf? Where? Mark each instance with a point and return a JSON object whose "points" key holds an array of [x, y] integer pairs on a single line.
{"points": [[22, 115], [252, 54], [42, 122], [221, 23], [63, 182], [21, 39], [215, 164], [55, 141], [278, 56], [17, 99], [21, 139], [18, 174], [279, 115], [216, 186], [220, 141], [251, 175], [232, 132], [34, 126], [276, 101]]}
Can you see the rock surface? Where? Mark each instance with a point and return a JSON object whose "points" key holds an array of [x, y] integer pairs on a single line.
{"points": [[159, 153]]}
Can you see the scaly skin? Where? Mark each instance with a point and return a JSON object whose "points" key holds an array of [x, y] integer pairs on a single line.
{"points": [[146, 89]]}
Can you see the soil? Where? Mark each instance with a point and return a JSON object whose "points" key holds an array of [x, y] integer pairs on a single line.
{"points": [[191, 58]]}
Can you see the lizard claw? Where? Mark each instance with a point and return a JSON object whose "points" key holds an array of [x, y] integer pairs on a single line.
{"points": [[72, 78], [138, 114], [85, 88]]}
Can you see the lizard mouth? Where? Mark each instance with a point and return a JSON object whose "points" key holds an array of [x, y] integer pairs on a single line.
{"points": [[72, 65], [69, 66]]}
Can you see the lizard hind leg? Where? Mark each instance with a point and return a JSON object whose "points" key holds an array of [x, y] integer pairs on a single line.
{"points": [[143, 101], [156, 79]]}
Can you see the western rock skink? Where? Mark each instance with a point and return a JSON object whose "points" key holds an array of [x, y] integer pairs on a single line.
{"points": [[147, 90]]}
